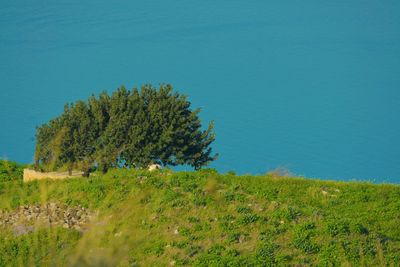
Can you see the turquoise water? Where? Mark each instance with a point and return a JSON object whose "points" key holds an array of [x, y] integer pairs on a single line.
{"points": [[310, 86]]}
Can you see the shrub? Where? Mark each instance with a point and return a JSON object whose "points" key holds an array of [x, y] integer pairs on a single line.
{"points": [[248, 218], [216, 250], [156, 249], [265, 254], [302, 238], [199, 198], [11, 171], [243, 209], [302, 241], [290, 213], [180, 244], [337, 226], [234, 237], [360, 229], [232, 196]]}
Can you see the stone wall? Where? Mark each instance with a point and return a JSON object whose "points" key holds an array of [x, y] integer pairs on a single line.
{"points": [[30, 175]]}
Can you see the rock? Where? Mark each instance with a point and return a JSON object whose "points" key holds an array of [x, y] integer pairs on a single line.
{"points": [[47, 215], [118, 234]]}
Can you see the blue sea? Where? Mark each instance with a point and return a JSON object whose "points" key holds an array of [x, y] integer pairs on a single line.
{"points": [[308, 86]]}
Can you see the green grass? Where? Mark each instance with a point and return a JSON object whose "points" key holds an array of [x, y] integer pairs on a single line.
{"points": [[209, 219], [10, 171]]}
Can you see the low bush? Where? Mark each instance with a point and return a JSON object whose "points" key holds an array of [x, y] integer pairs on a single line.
{"points": [[11, 171]]}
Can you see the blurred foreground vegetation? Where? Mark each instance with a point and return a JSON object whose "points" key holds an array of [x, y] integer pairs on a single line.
{"points": [[208, 219]]}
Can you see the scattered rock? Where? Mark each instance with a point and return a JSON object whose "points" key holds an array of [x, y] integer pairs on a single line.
{"points": [[118, 234], [25, 218]]}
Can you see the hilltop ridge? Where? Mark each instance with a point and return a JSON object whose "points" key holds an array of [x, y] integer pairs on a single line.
{"points": [[203, 218]]}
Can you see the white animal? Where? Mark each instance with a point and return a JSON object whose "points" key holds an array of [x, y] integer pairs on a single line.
{"points": [[153, 167]]}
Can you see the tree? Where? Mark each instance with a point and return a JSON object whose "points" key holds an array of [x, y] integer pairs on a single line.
{"points": [[129, 128], [100, 109]]}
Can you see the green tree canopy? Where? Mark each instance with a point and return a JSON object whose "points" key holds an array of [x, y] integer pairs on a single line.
{"points": [[132, 128]]}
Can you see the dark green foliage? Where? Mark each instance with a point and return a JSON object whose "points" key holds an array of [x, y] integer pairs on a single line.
{"points": [[303, 238], [265, 254], [289, 213], [216, 249], [232, 196], [360, 229], [25, 251], [338, 226], [129, 128], [156, 249], [234, 237], [180, 245], [242, 209], [248, 219]]}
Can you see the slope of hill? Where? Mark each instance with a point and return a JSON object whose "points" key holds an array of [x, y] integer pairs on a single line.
{"points": [[201, 218]]}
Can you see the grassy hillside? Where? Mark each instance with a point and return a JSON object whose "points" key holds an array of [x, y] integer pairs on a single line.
{"points": [[207, 219]]}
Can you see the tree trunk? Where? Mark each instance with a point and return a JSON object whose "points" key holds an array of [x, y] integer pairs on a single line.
{"points": [[86, 173], [104, 168]]}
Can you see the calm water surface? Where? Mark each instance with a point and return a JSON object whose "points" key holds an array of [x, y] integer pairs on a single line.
{"points": [[311, 86]]}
